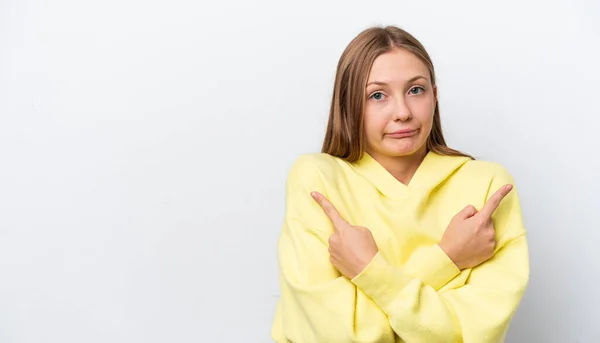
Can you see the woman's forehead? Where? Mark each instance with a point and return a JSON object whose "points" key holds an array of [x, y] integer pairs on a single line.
{"points": [[397, 65]]}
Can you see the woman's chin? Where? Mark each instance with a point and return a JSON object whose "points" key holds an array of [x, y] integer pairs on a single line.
{"points": [[398, 150]]}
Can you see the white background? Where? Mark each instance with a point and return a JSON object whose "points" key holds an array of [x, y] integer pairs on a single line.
{"points": [[144, 147]]}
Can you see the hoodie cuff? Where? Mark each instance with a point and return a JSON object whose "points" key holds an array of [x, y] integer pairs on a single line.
{"points": [[381, 281], [432, 266]]}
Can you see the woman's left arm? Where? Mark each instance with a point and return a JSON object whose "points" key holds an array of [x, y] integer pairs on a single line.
{"points": [[479, 311]]}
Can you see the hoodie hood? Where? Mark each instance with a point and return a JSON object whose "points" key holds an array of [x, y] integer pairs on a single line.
{"points": [[433, 171]]}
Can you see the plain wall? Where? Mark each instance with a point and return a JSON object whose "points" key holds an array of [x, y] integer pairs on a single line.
{"points": [[144, 147]]}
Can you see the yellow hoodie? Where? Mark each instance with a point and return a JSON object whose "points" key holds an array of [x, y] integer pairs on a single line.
{"points": [[411, 291]]}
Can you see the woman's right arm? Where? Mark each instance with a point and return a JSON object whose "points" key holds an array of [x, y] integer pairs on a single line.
{"points": [[317, 302]]}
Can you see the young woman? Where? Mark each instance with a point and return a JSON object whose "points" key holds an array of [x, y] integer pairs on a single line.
{"points": [[389, 234]]}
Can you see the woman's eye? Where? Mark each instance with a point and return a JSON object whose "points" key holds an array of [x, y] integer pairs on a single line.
{"points": [[377, 96], [417, 90]]}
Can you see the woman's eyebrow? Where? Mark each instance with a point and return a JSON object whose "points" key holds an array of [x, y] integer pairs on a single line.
{"points": [[381, 83]]}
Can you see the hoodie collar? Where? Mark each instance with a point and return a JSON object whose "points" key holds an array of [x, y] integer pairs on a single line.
{"points": [[432, 171]]}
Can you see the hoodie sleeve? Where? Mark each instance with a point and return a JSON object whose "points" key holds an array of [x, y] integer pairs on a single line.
{"points": [[432, 266], [317, 304], [320, 305], [479, 311]]}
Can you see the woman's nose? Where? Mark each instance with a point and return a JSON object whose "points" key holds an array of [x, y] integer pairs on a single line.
{"points": [[401, 111]]}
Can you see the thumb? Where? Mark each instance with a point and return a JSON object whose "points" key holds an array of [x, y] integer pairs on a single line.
{"points": [[467, 212]]}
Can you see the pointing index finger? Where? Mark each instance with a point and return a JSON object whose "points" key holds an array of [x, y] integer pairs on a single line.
{"points": [[494, 201], [332, 213]]}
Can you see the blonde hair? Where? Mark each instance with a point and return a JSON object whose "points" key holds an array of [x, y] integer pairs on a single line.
{"points": [[345, 137]]}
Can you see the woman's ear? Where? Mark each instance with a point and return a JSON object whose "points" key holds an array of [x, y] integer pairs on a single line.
{"points": [[435, 93]]}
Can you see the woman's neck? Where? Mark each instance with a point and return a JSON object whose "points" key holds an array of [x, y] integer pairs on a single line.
{"points": [[403, 168]]}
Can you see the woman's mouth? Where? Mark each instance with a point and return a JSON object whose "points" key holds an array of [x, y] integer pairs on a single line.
{"points": [[403, 133]]}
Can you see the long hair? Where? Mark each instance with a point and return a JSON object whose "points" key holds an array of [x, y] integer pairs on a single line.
{"points": [[345, 137]]}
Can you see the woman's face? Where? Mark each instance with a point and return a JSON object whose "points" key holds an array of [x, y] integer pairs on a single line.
{"points": [[399, 107]]}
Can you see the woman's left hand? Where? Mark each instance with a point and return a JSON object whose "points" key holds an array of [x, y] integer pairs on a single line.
{"points": [[351, 248]]}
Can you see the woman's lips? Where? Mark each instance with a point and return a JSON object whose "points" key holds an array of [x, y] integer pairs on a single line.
{"points": [[403, 133]]}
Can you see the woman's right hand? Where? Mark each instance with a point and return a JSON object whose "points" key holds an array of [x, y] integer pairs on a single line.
{"points": [[470, 238]]}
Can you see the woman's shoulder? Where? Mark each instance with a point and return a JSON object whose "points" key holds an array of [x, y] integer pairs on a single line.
{"points": [[311, 168], [317, 163], [489, 170]]}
